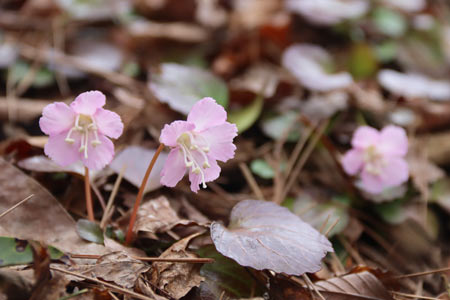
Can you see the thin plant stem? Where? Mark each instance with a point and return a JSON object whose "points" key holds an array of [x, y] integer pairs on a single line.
{"points": [[15, 206], [140, 194], [87, 191]]}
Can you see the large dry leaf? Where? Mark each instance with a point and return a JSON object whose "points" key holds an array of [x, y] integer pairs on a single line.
{"points": [[136, 160], [263, 235], [362, 285], [177, 279], [117, 267], [156, 216], [41, 218]]}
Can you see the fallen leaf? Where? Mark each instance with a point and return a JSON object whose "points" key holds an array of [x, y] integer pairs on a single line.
{"points": [[259, 79], [41, 163], [156, 216], [118, 267], [363, 285], [42, 218], [225, 274], [264, 235], [177, 279], [182, 86], [136, 160], [244, 118]]}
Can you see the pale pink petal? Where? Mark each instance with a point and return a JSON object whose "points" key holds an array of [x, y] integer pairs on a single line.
{"points": [[207, 113], [56, 118], [211, 173], [393, 141], [352, 161], [220, 141], [395, 172], [171, 132], [88, 102], [62, 152], [100, 155], [372, 183], [365, 136], [174, 168], [108, 123]]}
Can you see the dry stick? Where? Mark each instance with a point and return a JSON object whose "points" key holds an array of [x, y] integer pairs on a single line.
{"points": [[15, 206], [87, 192], [413, 296], [303, 159], [309, 283], [106, 213], [420, 273], [251, 181], [298, 149], [192, 260], [107, 284], [129, 235], [332, 226]]}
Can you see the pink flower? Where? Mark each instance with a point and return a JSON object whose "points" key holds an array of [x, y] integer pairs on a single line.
{"points": [[80, 131], [378, 157], [197, 144]]}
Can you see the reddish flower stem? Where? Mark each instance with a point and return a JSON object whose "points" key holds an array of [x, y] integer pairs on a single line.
{"points": [[129, 236], [87, 191]]}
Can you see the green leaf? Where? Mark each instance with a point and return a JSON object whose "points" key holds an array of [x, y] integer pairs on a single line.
{"points": [[90, 231], [261, 168], [247, 116], [182, 86], [389, 22], [317, 214], [386, 51], [14, 252], [44, 77], [391, 212], [225, 275], [363, 62], [276, 126]]}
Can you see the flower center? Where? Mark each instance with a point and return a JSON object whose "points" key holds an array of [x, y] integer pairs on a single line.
{"points": [[190, 145], [374, 161], [84, 124]]}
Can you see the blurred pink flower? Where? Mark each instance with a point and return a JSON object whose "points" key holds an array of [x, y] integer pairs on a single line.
{"points": [[378, 157], [80, 131], [197, 144]]}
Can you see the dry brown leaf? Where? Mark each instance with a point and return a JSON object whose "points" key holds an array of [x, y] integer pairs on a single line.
{"points": [[42, 218], [156, 216], [183, 32], [177, 279], [363, 285], [117, 267]]}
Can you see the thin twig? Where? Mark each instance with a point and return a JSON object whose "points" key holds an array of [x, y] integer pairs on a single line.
{"points": [[309, 282], [414, 296], [106, 213], [107, 284], [332, 226], [15, 206], [88, 195], [140, 194], [421, 273], [298, 167], [192, 260], [251, 181]]}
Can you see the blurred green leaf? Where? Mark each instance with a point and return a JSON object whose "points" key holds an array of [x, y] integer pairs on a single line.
{"points": [[247, 116], [182, 86], [386, 51], [16, 252], [225, 275], [90, 231], [389, 22], [44, 77], [276, 126], [317, 214], [261, 168], [363, 63], [391, 212]]}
